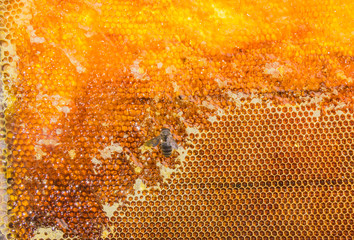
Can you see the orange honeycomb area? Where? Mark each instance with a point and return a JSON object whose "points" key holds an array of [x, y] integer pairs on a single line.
{"points": [[257, 94]]}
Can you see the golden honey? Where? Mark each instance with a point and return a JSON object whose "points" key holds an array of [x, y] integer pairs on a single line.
{"points": [[258, 96]]}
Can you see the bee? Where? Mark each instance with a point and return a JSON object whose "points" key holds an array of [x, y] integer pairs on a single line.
{"points": [[166, 140]]}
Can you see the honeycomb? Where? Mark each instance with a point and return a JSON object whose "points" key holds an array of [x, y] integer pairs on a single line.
{"points": [[258, 96]]}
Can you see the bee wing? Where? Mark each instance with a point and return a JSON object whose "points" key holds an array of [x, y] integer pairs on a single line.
{"points": [[173, 142], [153, 142]]}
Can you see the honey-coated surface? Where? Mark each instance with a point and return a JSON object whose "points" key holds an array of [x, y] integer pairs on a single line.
{"points": [[257, 94]]}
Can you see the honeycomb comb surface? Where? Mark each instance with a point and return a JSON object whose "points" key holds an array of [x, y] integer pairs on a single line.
{"points": [[257, 94]]}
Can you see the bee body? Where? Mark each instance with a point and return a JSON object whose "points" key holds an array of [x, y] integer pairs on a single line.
{"points": [[166, 141], [166, 149]]}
